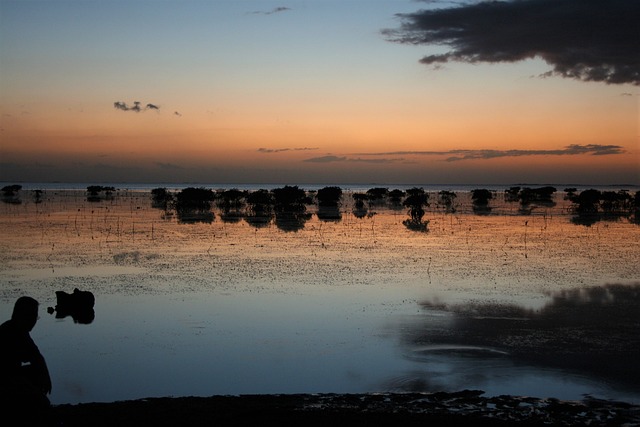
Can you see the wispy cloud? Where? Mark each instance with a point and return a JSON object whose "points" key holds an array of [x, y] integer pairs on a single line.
{"points": [[339, 159], [588, 40], [484, 154], [281, 150], [270, 12], [136, 107]]}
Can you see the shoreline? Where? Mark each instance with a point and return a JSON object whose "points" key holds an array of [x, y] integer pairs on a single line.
{"points": [[345, 186], [381, 409]]}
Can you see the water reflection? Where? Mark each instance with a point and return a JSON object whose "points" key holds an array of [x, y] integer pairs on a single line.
{"points": [[592, 332], [192, 217], [291, 221], [231, 217], [259, 220], [329, 213]]}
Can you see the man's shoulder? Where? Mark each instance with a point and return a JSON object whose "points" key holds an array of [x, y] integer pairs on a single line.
{"points": [[7, 327]]}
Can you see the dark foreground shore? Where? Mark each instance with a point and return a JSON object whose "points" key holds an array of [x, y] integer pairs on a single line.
{"points": [[384, 409]]}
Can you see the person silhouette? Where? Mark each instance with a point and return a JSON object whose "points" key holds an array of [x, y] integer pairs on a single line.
{"points": [[24, 376]]}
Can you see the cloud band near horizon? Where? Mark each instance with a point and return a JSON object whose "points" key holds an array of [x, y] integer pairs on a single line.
{"points": [[483, 154], [587, 40]]}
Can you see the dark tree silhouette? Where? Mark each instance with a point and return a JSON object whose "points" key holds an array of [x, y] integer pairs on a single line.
{"points": [[446, 199], [261, 198], [377, 195], [636, 208], [329, 196], [512, 194], [290, 198], [11, 190], [396, 195], [481, 196], [290, 208], [194, 205], [11, 194], [618, 203], [232, 199], [260, 209], [232, 203], [416, 201], [570, 192], [37, 196], [593, 205], [329, 203], [395, 198], [586, 202], [360, 209], [530, 198], [542, 195], [161, 198], [480, 200], [96, 193]]}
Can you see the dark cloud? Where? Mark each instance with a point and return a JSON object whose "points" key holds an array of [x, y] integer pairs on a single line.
{"points": [[120, 106], [592, 149], [588, 40], [280, 150], [456, 155], [272, 11], [136, 107], [326, 159]]}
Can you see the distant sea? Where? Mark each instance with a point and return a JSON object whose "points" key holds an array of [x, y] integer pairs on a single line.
{"points": [[133, 186]]}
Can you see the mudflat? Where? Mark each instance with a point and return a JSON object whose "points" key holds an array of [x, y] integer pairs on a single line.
{"points": [[507, 300]]}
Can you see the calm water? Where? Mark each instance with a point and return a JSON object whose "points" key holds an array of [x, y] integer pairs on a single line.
{"points": [[504, 302]]}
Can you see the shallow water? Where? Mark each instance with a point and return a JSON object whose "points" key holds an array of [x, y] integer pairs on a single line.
{"points": [[355, 305]]}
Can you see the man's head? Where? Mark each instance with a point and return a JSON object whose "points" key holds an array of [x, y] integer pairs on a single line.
{"points": [[25, 312]]}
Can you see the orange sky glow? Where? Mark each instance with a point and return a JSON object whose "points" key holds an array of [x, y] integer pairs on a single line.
{"points": [[355, 108]]}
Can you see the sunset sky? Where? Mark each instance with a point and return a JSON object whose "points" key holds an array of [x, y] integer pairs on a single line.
{"points": [[346, 91]]}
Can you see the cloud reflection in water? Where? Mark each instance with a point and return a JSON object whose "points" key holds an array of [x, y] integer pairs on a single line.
{"points": [[590, 333]]}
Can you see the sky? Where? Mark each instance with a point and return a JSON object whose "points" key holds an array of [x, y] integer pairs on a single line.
{"points": [[323, 91]]}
